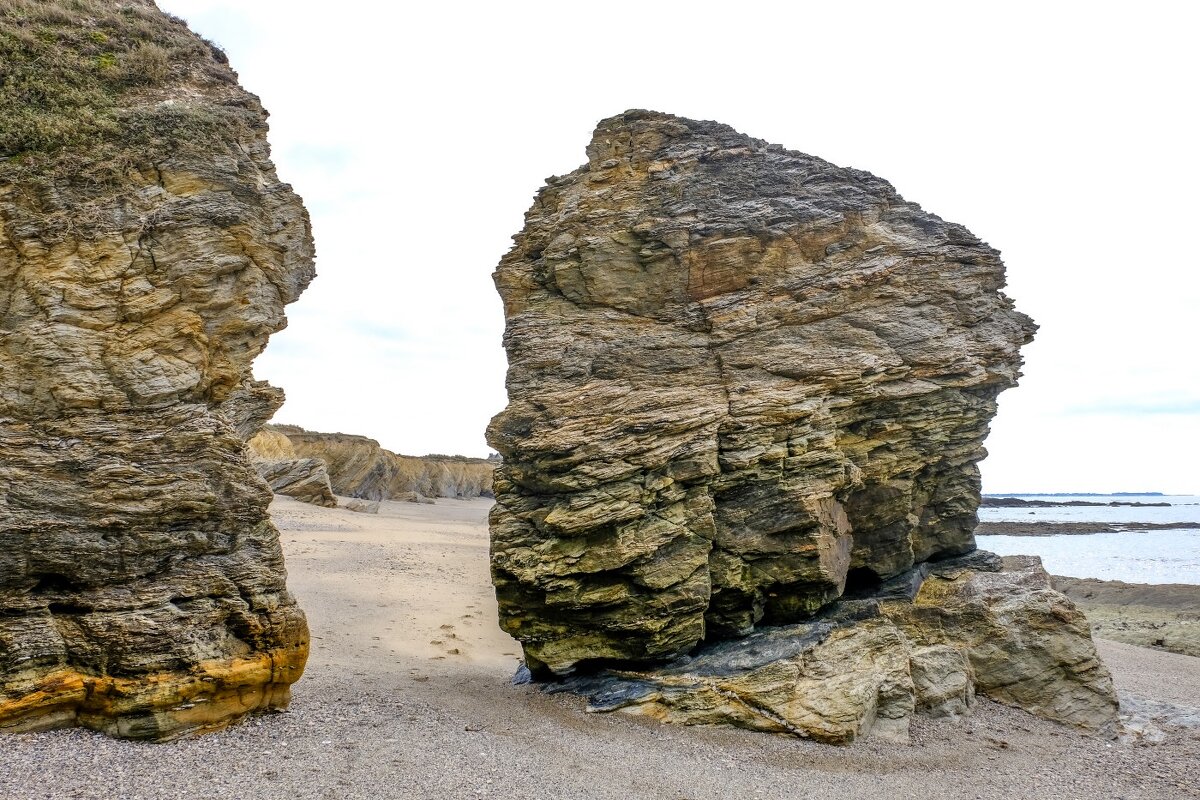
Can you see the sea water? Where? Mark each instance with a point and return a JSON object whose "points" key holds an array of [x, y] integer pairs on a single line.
{"points": [[1183, 508], [1155, 556]]}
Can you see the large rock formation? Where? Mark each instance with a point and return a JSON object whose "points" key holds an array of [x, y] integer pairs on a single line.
{"points": [[276, 462], [360, 467], [148, 252], [742, 382]]}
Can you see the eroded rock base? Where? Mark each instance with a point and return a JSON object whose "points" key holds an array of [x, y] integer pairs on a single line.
{"points": [[924, 642], [139, 598]]}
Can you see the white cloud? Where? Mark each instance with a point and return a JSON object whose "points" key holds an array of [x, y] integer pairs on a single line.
{"points": [[1060, 133]]}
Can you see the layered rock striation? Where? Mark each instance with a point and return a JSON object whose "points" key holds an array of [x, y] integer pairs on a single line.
{"points": [[743, 382], [740, 377], [148, 251]]}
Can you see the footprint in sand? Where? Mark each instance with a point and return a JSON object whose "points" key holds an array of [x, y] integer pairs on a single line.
{"points": [[440, 642]]}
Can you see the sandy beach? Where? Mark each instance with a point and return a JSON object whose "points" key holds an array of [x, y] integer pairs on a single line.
{"points": [[408, 695]]}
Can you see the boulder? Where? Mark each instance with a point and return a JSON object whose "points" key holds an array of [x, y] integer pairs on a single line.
{"points": [[748, 392], [865, 666], [362, 506], [149, 249], [741, 379], [302, 478], [1028, 645], [413, 497], [275, 461]]}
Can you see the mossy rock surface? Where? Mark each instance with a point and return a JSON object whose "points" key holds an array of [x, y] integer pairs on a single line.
{"points": [[90, 88]]}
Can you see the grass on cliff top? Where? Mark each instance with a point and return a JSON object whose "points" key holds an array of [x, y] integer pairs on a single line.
{"points": [[83, 82]]}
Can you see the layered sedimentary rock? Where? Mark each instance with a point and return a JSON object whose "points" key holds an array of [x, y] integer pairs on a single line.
{"points": [[1164, 615], [360, 467], [275, 461], [924, 642], [743, 383], [747, 394], [740, 380], [148, 252], [302, 478]]}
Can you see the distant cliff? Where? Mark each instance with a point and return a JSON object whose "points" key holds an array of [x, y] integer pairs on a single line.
{"points": [[360, 467]]}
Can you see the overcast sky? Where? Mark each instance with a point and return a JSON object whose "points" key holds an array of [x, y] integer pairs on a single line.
{"points": [[1063, 134]]}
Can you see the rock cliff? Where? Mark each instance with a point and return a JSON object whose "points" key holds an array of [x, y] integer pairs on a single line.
{"points": [[359, 467], [148, 252], [742, 383]]}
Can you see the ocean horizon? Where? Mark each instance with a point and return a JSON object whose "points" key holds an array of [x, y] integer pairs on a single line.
{"points": [[1170, 555]]}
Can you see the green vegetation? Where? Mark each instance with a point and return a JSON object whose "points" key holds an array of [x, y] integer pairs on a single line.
{"points": [[87, 85]]}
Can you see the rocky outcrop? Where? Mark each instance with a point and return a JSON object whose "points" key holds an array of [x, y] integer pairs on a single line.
{"points": [[359, 467], [1074, 528], [925, 642], [302, 478], [1017, 502], [744, 383], [148, 252], [740, 379], [275, 461]]}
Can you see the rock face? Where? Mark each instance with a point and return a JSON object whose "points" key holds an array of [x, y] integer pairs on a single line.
{"points": [[275, 461], [743, 383], [148, 252], [359, 467], [925, 642], [302, 478], [740, 379]]}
